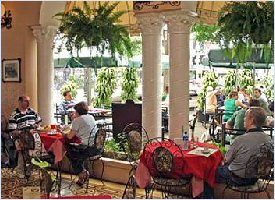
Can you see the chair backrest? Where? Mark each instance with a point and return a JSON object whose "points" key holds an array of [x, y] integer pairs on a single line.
{"points": [[100, 138], [262, 163], [167, 156], [270, 130], [135, 136], [163, 161], [227, 131]]}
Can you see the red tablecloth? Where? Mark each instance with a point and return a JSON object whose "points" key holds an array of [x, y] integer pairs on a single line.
{"points": [[54, 143], [48, 140], [199, 166]]}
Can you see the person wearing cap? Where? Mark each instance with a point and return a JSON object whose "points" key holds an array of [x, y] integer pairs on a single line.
{"points": [[21, 118]]}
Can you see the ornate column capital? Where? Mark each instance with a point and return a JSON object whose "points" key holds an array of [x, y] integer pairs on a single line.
{"points": [[180, 21], [44, 33], [150, 23]]}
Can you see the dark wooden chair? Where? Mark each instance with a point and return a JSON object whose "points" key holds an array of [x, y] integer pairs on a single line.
{"points": [[262, 165]]}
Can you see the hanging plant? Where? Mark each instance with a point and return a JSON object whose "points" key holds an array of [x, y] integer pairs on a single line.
{"points": [[97, 28], [106, 84], [247, 24], [205, 32], [129, 84], [247, 21], [209, 79]]}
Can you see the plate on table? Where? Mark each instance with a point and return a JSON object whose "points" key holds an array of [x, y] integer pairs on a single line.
{"points": [[52, 133], [203, 152]]}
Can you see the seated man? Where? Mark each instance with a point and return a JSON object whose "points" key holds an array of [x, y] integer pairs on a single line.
{"points": [[67, 104], [234, 168], [21, 119], [263, 103], [237, 119]]}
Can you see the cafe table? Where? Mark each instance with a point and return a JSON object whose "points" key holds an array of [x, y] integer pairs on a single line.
{"points": [[56, 143], [202, 167]]}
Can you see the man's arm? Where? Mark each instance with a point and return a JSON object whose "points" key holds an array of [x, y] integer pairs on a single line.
{"points": [[230, 154], [12, 123]]}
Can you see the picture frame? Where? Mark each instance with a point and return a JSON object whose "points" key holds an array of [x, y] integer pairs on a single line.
{"points": [[11, 70]]}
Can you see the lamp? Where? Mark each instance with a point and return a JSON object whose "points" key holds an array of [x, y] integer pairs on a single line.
{"points": [[6, 18]]}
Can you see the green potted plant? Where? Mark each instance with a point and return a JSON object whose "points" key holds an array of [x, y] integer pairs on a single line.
{"points": [[112, 150], [130, 84], [269, 87], [106, 84]]}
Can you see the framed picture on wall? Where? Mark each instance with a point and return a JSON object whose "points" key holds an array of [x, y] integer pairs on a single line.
{"points": [[11, 71]]}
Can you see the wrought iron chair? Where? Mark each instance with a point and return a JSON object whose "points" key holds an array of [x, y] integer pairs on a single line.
{"points": [[262, 165], [227, 131], [99, 142], [164, 177], [133, 137]]}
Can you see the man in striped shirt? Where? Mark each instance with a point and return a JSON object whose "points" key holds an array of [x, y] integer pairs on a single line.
{"points": [[21, 118]]}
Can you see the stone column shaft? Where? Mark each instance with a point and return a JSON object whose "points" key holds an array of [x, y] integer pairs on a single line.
{"points": [[179, 24], [151, 25], [45, 72]]}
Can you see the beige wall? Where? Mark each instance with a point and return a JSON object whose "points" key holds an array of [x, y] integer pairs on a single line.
{"points": [[19, 42]]}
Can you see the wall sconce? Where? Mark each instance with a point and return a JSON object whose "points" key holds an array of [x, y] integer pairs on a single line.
{"points": [[6, 18]]}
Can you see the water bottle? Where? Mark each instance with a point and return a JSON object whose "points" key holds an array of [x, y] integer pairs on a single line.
{"points": [[185, 139], [66, 119]]}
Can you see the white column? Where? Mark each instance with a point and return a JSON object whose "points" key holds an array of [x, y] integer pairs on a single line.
{"points": [[179, 24], [45, 71], [151, 25]]}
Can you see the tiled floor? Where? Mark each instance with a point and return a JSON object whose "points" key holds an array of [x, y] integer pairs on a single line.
{"points": [[12, 187]]}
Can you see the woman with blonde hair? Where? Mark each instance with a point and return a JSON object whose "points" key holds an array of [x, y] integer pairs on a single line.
{"points": [[231, 105]]}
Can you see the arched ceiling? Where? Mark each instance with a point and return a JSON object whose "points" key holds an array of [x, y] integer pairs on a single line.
{"points": [[48, 10], [207, 10]]}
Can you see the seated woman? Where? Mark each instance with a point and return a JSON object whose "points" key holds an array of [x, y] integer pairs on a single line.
{"points": [[231, 105], [83, 127]]}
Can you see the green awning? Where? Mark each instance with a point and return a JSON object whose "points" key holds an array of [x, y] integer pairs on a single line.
{"points": [[74, 63], [85, 62], [217, 58]]}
